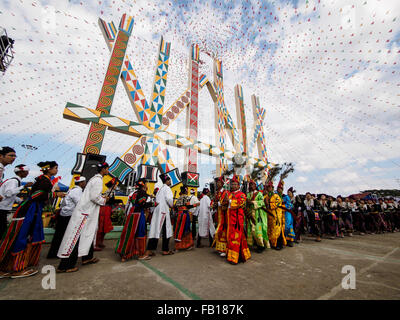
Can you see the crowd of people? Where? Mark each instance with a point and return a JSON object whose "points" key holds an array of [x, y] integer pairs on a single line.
{"points": [[241, 216]]}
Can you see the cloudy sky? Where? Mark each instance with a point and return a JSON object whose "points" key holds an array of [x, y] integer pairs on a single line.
{"points": [[326, 72]]}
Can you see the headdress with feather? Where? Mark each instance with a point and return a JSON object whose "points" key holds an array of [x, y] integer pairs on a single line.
{"points": [[272, 173], [286, 169]]}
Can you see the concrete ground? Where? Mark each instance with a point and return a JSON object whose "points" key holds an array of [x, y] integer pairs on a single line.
{"points": [[310, 271]]}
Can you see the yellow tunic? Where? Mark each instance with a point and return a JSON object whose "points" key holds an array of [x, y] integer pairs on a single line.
{"points": [[276, 220]]}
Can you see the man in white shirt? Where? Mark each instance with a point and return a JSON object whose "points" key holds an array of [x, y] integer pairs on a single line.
{"points": [[9, 190], [67, 206], [206, 224], [194, 212], [161, 221], [81, 231]]}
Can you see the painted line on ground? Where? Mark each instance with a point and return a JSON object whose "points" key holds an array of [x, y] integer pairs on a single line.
{"points": [[177, 285], [335, 290], [366, 256]]}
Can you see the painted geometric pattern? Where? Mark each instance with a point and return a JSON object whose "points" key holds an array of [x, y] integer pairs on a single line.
{"points": [[162, 136], [260, 113], [169, 116], [141, 107], [219, 90], [136, 151], [191, 154], [160, 82], [96, 132], [109, 30], [175, 109], [119, 169], [257, 126], [227, 121], [128, 76], [135, 91], [86, 115], [203, 81], [241, 115], [156, 154], [174, 176]]}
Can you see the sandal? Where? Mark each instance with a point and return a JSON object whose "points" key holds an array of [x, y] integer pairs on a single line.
{"points": [[168, 253], [5, 274], [146, 257], [23, 274], [72, 270], [91, 261]]}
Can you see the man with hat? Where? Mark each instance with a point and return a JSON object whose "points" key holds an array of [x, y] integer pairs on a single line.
{"points": [[67, 206], [132, 241], [161, 220], [237, 249], [9, 190], [81, 231]]}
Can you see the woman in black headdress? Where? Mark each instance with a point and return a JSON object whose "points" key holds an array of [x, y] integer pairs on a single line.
{"points": [[20, 249], [182, 233], [133, 237]]}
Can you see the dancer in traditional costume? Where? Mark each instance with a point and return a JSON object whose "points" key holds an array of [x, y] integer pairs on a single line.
{"points": [[237, 249], [221, 203], [182, 233], [161, 220], [276, 219], [20, 249], [289, 217], [257, 220], [81, 231], [206, 224], [67, 205], [133, 237]]}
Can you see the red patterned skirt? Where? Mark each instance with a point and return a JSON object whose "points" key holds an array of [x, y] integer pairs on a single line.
{"points": [[105, 224]]}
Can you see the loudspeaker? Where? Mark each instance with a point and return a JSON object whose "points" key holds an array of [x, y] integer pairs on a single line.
{"points": [[90, 166]]}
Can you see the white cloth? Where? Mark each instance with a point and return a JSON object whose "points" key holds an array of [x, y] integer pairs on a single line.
{"points": [[9, 190], [84, 219], [1, 172], [352, 206], [206, 224], [70, 201], [128, 204], [309, 204], [165, 201], [193, 201]]}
